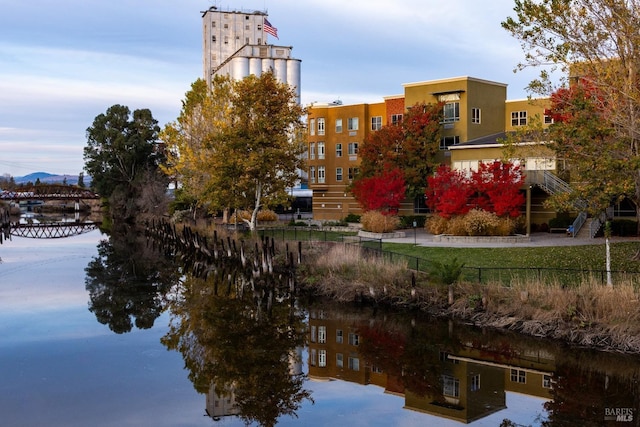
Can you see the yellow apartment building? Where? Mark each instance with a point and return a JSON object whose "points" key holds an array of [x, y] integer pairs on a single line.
{"points": [[476, 118]]}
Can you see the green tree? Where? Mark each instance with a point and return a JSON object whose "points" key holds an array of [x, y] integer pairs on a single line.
{"points": [[81, 180], [236, 145], [598, 42], [122, 158]]}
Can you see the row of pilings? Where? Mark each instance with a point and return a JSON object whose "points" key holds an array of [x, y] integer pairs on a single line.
{"points": [[257, 264]]}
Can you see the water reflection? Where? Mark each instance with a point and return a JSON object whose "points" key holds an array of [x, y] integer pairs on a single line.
{"points": [[128, 281], [462, 373], [241, 343]]}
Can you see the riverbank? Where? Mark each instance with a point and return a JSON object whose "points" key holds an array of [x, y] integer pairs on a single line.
{"points": [[587, 315]]}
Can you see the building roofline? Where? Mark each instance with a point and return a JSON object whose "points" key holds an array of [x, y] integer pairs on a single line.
{"points": [[453, 79], [243, 12], [390, 97]]}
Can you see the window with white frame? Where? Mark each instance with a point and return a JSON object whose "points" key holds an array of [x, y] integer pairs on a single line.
{"points": [[518, 118], [518, 376], [321, 126], [339, 336], [450, 386], [322, 358], [312, 127], [353, 148], [338, 150], [312, 174], [339, 174], [312, 357], [376, 123], [354, 339], [322, 334], [540, 163], [354, 363], [548, 119], [475, 382], [338, 125], [352, 123], [339, 360], [546, 381], [396, 119], [475, 116], [312, 150], [448, 141], [451, 112], [321, 175], [313, 334], [321, 150]]}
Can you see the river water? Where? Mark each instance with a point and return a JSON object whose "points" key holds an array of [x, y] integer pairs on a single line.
{"points": [[108, 331]]}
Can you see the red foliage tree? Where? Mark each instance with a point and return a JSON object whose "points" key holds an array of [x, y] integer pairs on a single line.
{"points": [[497, 188], [381, 193], [448, 192]]}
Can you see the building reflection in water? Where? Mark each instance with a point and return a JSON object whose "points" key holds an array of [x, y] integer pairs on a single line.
{"points": [[438, 370]]}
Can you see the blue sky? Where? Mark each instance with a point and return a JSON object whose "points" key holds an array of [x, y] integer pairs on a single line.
{"points": [[64, 62]]}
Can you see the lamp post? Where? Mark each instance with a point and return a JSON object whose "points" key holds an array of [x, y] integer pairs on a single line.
{"points": [[415, 242]]}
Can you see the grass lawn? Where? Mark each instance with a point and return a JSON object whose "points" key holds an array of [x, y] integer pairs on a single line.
{"points": [[490, 260]]}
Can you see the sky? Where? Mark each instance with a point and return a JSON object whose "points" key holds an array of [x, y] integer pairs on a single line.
{"points": [[64, 62]]}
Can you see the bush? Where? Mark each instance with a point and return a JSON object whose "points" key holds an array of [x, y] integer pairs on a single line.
{"points": [[264, 215], [475, 223], [376, 222], [480, 223], [352, 218], [437, 225]]}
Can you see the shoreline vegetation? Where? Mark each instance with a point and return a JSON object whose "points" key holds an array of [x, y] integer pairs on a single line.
{"points": [[589, 314], [586, 313]]}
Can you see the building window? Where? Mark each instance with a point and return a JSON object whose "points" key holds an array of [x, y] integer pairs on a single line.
{"points": [[396, 119], [321, 126], [376, 369], [339, 336], [338, 125], [313, 334], [420, 204], [226, 40], [548, 120], [518, 376], [353, 148], [376, 123], [518, 118], [546, 381], [354, 339], [475, 382], [475, 115], [322, 358], [338, 150], [321, 175], [213, 39], [322, 334], [312, 357], [450, 386], [451, 112], [312, 127], [213, 24], [352, 173], [339, 360], [448, 141], [312, 150], [352, 123], [321, 150], [339, 174], [312, 174], [354, 363]]}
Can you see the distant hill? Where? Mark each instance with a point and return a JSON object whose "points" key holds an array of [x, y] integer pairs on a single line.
{"points": [[50, 178]]}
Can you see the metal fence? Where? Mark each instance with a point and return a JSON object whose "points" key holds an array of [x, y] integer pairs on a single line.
{"points": [[373, 247]]}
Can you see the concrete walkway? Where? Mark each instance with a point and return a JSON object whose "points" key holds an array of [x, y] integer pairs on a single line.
{"points": [[422, 238]]}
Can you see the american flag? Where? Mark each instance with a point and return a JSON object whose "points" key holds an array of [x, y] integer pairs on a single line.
{"points": [[270, 29]]}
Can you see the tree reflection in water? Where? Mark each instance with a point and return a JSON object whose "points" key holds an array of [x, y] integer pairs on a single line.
{"points": [[243, 338], [128, 281]]}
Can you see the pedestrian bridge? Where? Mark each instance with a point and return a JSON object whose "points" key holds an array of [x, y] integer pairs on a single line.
{"points": [[48, 192], [55, 230]]}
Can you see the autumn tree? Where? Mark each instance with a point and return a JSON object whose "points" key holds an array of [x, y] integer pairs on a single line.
{"points": [[596, 41], [234, 145], [122, 159], [448, 192], [381, 193], [410, 147]]}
